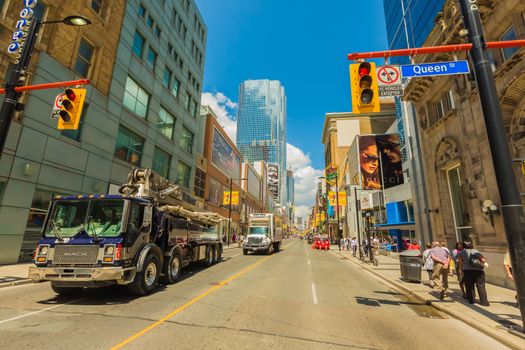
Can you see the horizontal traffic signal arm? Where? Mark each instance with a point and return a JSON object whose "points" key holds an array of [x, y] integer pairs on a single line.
{"points": [[59, 84], [433, 49]]}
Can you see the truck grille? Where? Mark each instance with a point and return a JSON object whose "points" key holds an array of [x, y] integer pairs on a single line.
{"points": [[254, 240], [76, 254]]}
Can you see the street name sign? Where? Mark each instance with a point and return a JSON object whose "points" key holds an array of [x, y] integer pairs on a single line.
{"points": [[389, 81], [434, 69]]}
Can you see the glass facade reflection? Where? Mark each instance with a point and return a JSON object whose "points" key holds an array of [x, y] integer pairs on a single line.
{"points": [[261, 125]]}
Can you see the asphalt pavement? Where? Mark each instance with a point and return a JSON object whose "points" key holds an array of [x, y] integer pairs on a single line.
{"points": [[297, 298]]}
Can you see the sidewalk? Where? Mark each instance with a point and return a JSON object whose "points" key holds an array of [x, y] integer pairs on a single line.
{"points": [[496, 320], [14, 275]]}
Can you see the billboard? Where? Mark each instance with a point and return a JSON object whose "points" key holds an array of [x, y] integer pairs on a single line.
{"points": [[254, 184], [215, 191], [273, 180], [380, 161], [224, 157]]}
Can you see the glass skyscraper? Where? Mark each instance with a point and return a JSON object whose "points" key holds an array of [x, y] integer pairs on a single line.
{"points": [[261, 126], [408, 23]]}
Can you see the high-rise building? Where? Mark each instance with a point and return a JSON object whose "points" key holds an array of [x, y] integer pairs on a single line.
{"points": [[408, 23], [145, 60], [261, 127], [290, 193]]}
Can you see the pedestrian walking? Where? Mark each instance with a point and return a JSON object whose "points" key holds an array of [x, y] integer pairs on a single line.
{"points": [[353, 245], [472, 263], [441, 258], [428, 263], [339, 243], [459, 272], [348, 244]]}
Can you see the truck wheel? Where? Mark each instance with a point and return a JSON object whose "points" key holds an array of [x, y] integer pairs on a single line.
{"points": [[172, 268], [66, 290], [215, 253], [276, 247], [219, 253], [209, 256], [146, 280], [245, 251]]}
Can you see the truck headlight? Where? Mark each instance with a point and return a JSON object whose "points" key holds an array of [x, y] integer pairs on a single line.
{"points": [[43, 250], [109, 250]]}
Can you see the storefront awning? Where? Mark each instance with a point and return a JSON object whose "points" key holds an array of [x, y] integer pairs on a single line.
{"points": [[409, 225]]}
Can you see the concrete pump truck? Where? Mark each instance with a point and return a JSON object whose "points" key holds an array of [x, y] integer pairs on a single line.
{"points": [[137, 238]]}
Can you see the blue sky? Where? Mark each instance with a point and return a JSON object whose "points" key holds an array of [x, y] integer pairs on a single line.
{"points": [[301, 43]]}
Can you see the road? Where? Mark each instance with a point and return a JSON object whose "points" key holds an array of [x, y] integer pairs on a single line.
{"points": [[296, 299]]}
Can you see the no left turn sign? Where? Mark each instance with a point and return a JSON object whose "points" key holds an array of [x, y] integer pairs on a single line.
{"points": [[388, 75]]}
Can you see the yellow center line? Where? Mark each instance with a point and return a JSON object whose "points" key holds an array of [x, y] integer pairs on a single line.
{"points": [[191, 302]]}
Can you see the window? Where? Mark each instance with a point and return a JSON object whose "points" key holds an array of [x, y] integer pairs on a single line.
{"points": [[129, 146], [186, 100], [200, 181], [136, 98], [151, 59], [186, 140], [75, 134], [170, 49], [84, 58], [97, 6], [440, 111], [166, 77], [138, 44], [142, 11], [39, 11], [150, 22], [161, 162], [510, 34], [157, 31], [183, 174], [166, 123], [194, 109], [175, 87]]}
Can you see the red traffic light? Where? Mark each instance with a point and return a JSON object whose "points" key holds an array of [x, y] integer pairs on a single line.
{"points": [[364, 69], [70, 94]]}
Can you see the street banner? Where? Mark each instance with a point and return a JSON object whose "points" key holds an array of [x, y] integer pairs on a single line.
{"points": [[342, 198], [331, 174], [391, 163], [332, 198], [234, 197], [369, 163], [322, 216], [274, 180], [380, 161]]}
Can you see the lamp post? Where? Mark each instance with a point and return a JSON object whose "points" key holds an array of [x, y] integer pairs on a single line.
{"points": [[357, 223], [13, 78], [230, 207]]}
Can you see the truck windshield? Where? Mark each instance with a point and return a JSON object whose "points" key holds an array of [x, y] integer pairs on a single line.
{"points": [[99, 216], [258, 230]]}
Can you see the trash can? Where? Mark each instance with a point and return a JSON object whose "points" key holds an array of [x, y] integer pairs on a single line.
{"points": [[410, 265]]}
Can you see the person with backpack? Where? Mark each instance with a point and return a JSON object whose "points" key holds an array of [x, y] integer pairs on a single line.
{"points": [[459, 272], [472, 263]]}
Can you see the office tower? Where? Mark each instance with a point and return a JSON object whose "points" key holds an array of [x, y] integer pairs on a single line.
{"points": [[261, 128]]}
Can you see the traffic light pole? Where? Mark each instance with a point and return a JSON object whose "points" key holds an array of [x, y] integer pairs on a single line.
{"points": [[511, 206], [358, 226], [11, 96], [339, 235]]}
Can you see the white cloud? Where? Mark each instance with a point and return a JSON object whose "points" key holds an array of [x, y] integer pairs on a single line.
{"points": [[305, 176], [225, 110]]}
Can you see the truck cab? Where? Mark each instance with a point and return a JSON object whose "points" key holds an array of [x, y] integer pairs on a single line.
{"points": [[264, 234]]}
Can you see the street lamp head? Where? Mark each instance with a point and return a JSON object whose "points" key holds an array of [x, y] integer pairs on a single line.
{"points": [[76, 21]]}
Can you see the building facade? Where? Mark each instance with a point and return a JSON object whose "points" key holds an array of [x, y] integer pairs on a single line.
{"points": [[455, 150], [261, 126], [145, 61]]}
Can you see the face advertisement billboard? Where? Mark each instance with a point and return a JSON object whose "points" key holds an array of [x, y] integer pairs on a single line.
{"points": [[273, 179], [380, 161], [224, 157]]}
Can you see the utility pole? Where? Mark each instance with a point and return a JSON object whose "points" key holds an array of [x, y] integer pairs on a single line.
{"points": [[511, 206], [358, 226], [339, 235], [230, 212]]}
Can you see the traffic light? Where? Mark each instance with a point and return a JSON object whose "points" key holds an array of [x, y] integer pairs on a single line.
{"points": [[363, 85], [71, 110]]}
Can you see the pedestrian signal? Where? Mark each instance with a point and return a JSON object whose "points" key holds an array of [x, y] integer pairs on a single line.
{"points": [[363, 86], [71, 109]]}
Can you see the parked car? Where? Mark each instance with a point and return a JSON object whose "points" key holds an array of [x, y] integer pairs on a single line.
{"points": [[322, 243]]}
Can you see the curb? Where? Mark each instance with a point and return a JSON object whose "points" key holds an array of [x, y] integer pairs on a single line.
{"points": [[16, 283], [495, 334]]}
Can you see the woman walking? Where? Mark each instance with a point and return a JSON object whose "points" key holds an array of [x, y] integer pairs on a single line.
{"points": [[459, 272], [472, 263]]}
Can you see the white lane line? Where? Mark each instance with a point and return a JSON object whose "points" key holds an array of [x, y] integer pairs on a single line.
{"points": [[39, 311], [308, 261], [314, 294]]}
